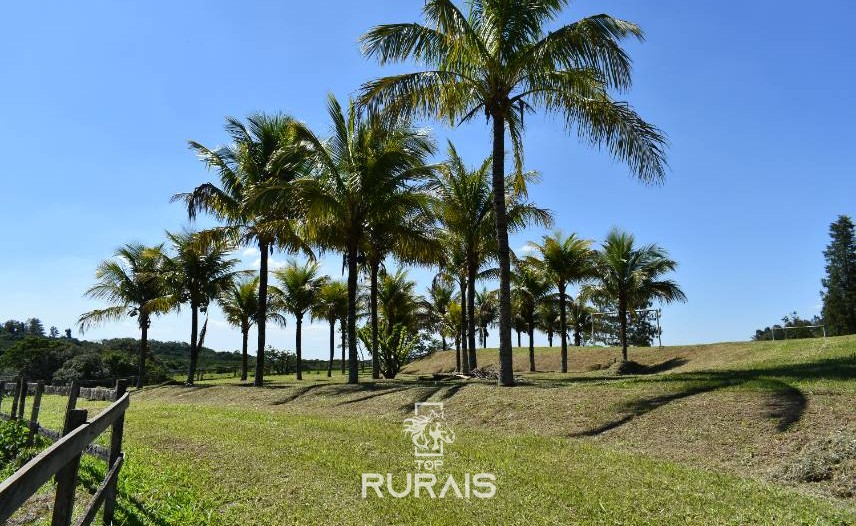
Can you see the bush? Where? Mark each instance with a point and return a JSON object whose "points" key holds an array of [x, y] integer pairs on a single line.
{"points": [[14, 451]]}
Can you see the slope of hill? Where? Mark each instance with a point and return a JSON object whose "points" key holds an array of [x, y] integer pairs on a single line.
{"points": [[737, 433]]}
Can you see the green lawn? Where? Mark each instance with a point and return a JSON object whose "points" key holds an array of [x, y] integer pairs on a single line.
{"points": [[695, 444]]}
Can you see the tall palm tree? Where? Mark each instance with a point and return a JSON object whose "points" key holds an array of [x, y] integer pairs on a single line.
{"points": [[260, 153], [530, 287], [630, 276], [464, 207], [565, 261], [197, 273], [132, 283], [300, 286], [501, 61], [368, 167], [332, 306]]}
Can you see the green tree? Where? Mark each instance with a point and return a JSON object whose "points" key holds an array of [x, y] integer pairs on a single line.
{"points": [[132, 284], [565, 261], [261, 153], [300, 286], [529, 287], [197, 274], [332, 306], [365, 169], [631, 276], [500, 61], [839, 285]]}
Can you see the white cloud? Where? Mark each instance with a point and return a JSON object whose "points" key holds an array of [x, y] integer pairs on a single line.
{"points": [[251, 251]]}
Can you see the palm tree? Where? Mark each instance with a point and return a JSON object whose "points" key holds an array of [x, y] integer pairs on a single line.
{"points": [[198, 273], [486, 312], [240, 303], [436, 305], [565, 260], [404, 230], [260, 153], [530, 287], [365, 169], [500, 61], [300, 286], [400, 318], [547, 318], [332, 306], [580, 317], [464, 207], [132, 284], [630, 276]]}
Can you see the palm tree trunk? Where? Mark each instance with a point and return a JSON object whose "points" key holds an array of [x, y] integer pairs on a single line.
{"points": [[550, 338], [531, 346], [465, 360], [245, 333], [297, 345], [622, 313], [343, 332], [443, 339], [458, 353], [518, 338], [194, 350], [471, 314], [563, 325], [578, 335], [353, 365], [332, 346], [375, 268], [144, 348], [506, 373], [261, 315]]}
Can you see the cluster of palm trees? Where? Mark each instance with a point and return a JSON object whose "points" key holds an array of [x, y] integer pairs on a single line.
{"points": [[370, 192]]}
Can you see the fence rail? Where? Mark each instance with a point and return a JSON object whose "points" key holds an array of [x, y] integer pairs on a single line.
{"points": [[62, 459]]}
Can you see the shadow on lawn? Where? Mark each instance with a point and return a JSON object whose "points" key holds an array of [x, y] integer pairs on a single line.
{"points": [[129, 510], [786, 403]]}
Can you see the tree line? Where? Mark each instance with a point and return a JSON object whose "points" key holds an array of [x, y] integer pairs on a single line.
{"points": [[371, 192]]}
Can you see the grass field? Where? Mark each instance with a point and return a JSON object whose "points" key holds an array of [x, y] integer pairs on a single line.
{"points": [[718, 434]]}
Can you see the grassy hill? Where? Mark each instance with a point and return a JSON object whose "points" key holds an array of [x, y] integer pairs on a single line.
{"points": [[739, 433]]}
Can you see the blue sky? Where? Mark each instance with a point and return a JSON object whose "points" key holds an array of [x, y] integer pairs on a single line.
{"points": [[98, 99]]}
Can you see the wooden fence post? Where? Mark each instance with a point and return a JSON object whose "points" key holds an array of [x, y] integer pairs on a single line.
{"points": [[66, 478], [15, 395], [73, 393], [34, 414], [22, 405], [115, 451]]}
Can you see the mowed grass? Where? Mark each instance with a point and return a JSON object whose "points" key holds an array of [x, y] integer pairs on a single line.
{"points": [[700, 442]]}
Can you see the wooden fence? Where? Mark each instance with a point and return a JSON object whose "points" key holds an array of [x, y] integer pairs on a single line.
{"points": [[62, 459]]}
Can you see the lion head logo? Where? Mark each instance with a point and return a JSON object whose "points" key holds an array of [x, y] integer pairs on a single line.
{"points": [[428, 430]]}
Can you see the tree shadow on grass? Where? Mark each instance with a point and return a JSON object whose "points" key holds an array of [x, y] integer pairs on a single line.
{"points": [[129, 510], [786, 403]]}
